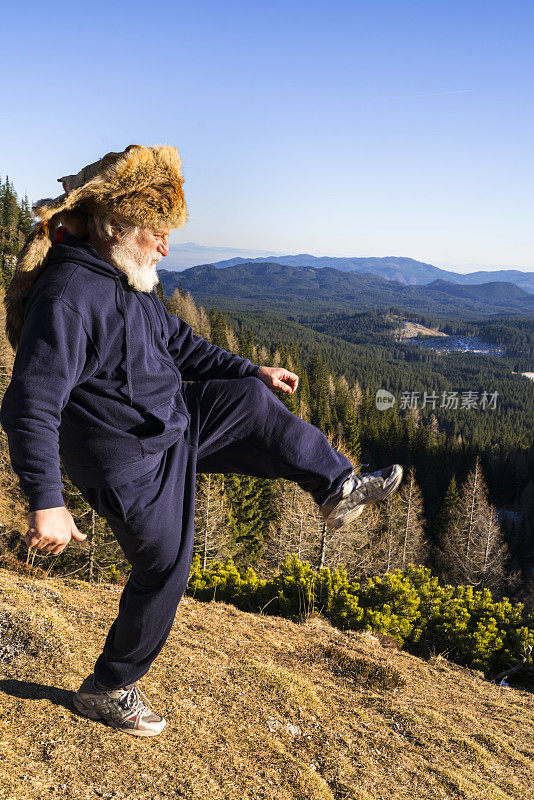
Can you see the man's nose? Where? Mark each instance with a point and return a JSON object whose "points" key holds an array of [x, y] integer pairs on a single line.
{"points": [[163, 246]]}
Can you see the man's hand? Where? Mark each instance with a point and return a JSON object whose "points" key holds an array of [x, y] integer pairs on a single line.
{"points": [[51, 529], [279, 378]]}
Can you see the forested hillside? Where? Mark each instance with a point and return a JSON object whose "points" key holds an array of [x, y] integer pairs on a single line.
{"points": [[363, 349], [346, 410], [258, 522]]}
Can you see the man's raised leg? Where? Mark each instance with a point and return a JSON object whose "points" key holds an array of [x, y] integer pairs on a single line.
{"points": [[243, 427]]}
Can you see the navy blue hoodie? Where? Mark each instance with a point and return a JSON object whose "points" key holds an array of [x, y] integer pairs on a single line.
{"points": [[97, 377]]}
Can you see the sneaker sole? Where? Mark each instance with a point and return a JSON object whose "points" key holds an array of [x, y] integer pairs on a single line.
{"points": [[355, 512], [389, 490], [349, 517], [80, 706]]}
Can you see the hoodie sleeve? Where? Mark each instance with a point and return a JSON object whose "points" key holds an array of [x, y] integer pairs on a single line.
{"points": [[55, 354], [197, 359]]}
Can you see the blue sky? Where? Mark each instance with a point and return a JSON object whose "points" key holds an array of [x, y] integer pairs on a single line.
{"points": [[342, 128]]}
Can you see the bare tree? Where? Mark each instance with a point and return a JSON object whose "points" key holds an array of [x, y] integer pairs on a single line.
{"points": [[388, 537], [400, 532], [211, 536], [301, 530], [297, 529], [184, 307], [490, 552], [474, 551], [204, 325]]}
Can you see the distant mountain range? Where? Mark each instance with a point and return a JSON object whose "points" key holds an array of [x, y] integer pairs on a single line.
{"points": [[403, 270], [301, 290], [189, 254]]}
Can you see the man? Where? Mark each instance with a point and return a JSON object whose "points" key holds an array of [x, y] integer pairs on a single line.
{"points": [[98, 379]]}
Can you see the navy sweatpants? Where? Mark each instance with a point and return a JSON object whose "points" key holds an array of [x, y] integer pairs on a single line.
{"points": [[236, 426]]}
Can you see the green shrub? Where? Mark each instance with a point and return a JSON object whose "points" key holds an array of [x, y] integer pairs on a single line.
{"points": [[465, 625]]}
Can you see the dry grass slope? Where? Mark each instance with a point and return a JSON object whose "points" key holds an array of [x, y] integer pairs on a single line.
{"points": [[12, 504], [257, 708]]}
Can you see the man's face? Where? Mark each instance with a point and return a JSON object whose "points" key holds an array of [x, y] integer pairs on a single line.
{"points": [[155, 243], [136, 253]]}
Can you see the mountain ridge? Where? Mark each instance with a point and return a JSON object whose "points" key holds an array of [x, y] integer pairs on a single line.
{"points": [[399, 268], [256, 285]]}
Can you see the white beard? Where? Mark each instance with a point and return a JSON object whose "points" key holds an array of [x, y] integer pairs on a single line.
{"points": [[136, 264]]}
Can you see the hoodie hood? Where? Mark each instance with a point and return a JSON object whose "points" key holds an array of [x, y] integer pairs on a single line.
{"points": [[78, 251], [72, 250], [141, 186]]}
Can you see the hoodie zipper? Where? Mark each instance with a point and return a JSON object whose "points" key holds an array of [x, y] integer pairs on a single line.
{"points": [[169, 361], [160, 319]]}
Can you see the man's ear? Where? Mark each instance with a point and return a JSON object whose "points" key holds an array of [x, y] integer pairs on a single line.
{"points": [[116, 230]]}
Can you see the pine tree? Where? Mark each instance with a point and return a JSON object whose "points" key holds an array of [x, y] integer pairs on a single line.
{"points": [[184, 307], [351, 434], [9, 217], [445, 519], [321, 415], [159, 291], [25, 217], [263, 355], [189, 312], [252, 510], [526, 539], [433, 430], [204, 325], [304, 396], [413, 545], [231, 338], [173, 303], [246, 343], [218, 329]]}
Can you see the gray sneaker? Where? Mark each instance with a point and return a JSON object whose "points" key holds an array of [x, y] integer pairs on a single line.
{"points": [[126, 709], [357, 491]]}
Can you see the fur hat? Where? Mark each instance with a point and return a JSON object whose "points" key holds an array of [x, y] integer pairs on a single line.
{"points": [[141, 186]]}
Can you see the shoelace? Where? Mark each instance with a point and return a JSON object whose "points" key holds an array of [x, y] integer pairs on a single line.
{"points": [[353, 480], [133, 699]]}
